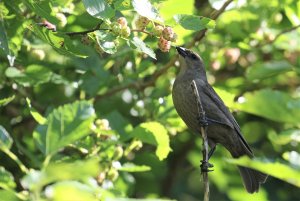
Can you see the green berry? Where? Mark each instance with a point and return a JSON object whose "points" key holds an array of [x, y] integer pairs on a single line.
{"points": [[116, 28], [122, 21], [158, 29], [125, 32], [142, 22]]}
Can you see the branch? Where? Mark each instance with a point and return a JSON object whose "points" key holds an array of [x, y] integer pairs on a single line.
{"points": [[279, 34], [87, 31], [141, 84], [205, 164]]}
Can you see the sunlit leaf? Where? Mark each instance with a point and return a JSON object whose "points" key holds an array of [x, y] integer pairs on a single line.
{"points": [[36, 115], [193, 22], [281, 171], [285, 137], [71, 190], [65, 125], [144, 8], [5, 139], [140, 46], [274, 105], [106, 41], [155, 134], [6, 179], [293, 157], [5, 101], [263, 70], [8, 195], [99, 9], [130, 167]]}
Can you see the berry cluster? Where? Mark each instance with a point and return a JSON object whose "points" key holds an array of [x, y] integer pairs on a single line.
{"points": [[166, 34], [120, 27]]}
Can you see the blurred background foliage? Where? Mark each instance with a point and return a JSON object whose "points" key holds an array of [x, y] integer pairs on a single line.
{"points": [[90, 117]]}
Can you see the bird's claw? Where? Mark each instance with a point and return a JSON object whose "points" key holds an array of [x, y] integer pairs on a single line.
{"points": [[205, 165], [203, 122]]}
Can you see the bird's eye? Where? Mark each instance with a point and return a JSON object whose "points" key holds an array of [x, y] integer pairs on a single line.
{"points": [[193, 56]]}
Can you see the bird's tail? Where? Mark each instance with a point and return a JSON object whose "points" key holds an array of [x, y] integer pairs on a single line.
{"points": [[252, 178]]}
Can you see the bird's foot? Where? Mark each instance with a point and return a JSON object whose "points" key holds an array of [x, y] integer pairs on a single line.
{"points": [[202, 121], [205, 165]]}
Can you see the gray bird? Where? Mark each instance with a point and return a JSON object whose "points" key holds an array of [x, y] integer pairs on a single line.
{"points": [[222, 128]]}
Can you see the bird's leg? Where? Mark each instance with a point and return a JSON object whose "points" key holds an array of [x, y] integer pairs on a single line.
{"points": [[205, 165], [202, 120]]}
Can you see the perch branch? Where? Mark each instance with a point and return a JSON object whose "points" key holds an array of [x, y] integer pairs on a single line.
{"points": [[205, 165]]}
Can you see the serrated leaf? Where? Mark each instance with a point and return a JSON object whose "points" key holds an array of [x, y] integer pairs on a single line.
{"points": [[6, 179], [36, 115], [65, 125], [142, 47], [5, 101], [155, 134], [106, 40], [193, 22], [130, 167], [281, 171], [145, 8], [5, 139], [271, 104], [268, 69], [99, 9]]}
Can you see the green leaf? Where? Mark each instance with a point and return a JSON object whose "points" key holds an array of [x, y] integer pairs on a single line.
{"points": [[132, 199], [6, 179], [76, 170], [140, 46], [193, 22], [130, 167], [99, 9], [106, 41], [144, 8], [285, 137], [8, 195], [60, 42], [281, 171], [64, 126], [122, 5], [155, 134], [274, 105], [36, 115], [5, 139], [268, 69], [5, 101], [3, 39], [293, 157], [33, 75]]}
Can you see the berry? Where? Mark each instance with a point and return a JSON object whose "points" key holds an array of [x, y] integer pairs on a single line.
{"points": [[168, 33], [62, 19], [85, 40], [158, 29], [142, 22], [122, 21], [38, 54], [116, 28], [125, 32], [164, 45], [174, 39]]}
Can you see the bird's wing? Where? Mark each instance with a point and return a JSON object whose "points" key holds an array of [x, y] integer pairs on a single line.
{"points": [[210, 92]]}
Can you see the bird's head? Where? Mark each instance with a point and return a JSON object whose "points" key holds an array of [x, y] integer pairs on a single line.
{"points": [[190, 60]]}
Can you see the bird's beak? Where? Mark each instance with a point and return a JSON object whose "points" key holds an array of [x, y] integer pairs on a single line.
{"points": [[181, 51]]}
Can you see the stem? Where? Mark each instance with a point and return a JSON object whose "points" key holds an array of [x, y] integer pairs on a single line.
{"points": [[16, 159], [201, 114]]}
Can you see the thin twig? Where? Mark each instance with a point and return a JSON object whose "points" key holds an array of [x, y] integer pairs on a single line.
{"points": [[278, 35], [201, 114], [141, 84], [87, 31]]}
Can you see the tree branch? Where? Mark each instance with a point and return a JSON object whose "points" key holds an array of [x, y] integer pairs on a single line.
{"points": [[205, 165], [141, 84]]}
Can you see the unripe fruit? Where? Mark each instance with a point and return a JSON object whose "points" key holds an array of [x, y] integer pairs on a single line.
{"points": [[38, 54], [118, 153], [164, 45], [116, 28], [125, 32], [158, 29], [168, 33], [112, 174], [174, 39], [62, 19], [122, 21], [85, 40], [142, 22]]}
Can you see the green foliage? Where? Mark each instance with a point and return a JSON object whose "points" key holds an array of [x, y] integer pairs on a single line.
{"points": [[86, 107]]}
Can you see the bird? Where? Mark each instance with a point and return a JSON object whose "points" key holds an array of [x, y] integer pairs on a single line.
{"points": [[221, 126]]}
